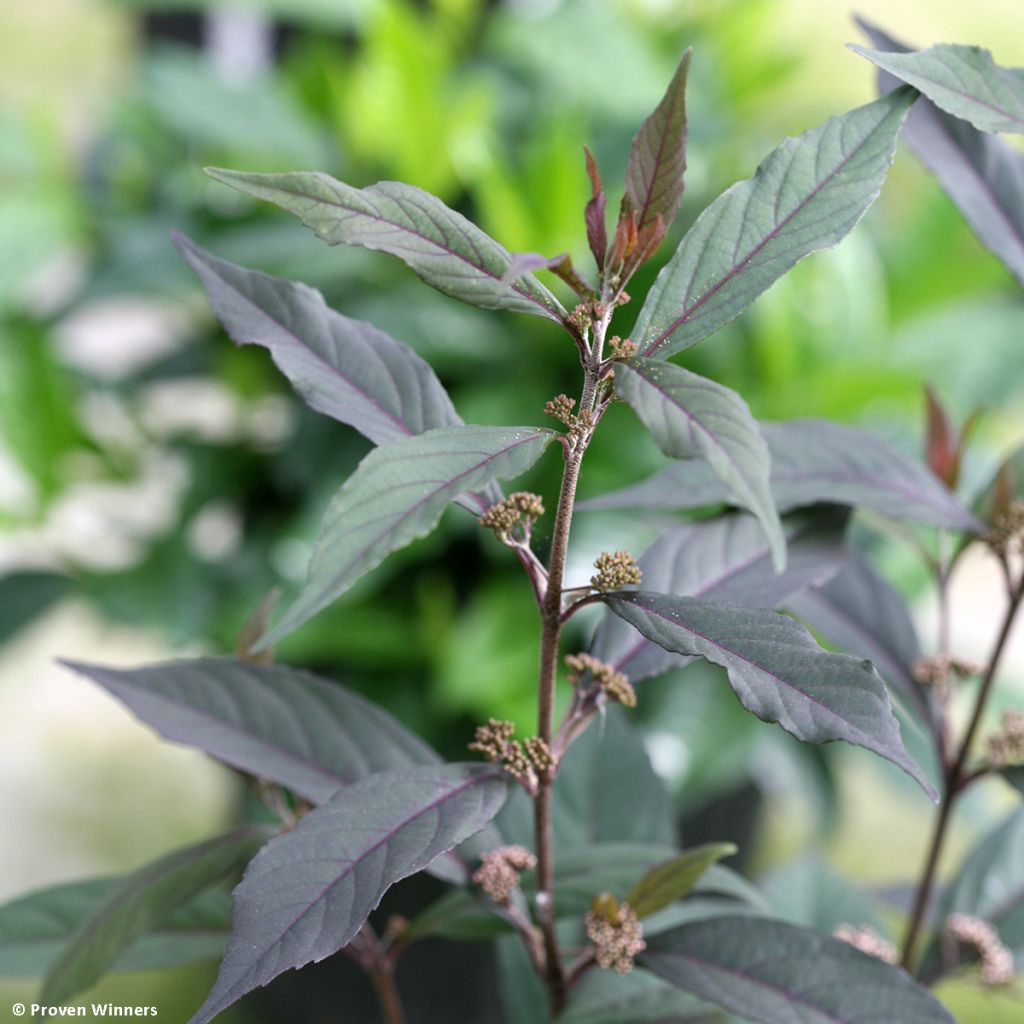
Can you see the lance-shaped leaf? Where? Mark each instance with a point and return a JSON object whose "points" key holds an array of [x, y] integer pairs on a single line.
{"points": [[635, 998], [978, 171], [346, 369], [807, 195], [144, 900], [282, 724], [726, 559], [777, 670], [777, 973], [657, 158], [35, 929], [440, 245], [813, 461], [690, 416], [962, 80], [398, 493], [665, 883], [860, 612], [308, 892]]}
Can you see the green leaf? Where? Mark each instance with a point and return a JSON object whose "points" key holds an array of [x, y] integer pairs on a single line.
{"points": [[34, 929], [440, 245], [657, 158], [143, 901], [813, 461], [776, 973], [978, 171], [962, 80], [282, 724], [636, 998], [307, 892], [807, 195], [397, 494], [727, 559], [777, 670], [690, 416], [672, 880]]}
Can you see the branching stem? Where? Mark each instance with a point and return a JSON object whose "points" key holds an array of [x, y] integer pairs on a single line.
{"points": [[955, 781]]}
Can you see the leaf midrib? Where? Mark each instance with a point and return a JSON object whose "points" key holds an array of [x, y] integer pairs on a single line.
{"points": [[738, 265]]}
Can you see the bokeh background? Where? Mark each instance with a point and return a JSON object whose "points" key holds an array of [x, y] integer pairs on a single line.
{"points": [[156, 482]]}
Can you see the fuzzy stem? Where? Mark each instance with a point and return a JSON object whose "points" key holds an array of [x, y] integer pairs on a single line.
{"points": [[955, 783], [551, 632]]}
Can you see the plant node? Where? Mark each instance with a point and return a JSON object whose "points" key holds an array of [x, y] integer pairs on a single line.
{"points": [[615, 570], [1007, 534], [1006, 748], [616, 933], [622, 348], [943, 668], [501, 869], [613, 683], [502, 516]]}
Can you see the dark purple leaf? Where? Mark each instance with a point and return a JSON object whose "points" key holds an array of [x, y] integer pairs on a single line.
{"points": [[307, 892], [282, 724], [141, 902], [777, 670], [440, 245], [861, 613], [807, 195], [657, 158], [35, 929], [813, 461], [725, 559], [961, 80], [777, 973], [397, 494], [978, 171], [690, 416]]}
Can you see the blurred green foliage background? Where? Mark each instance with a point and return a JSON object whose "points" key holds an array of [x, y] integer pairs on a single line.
{"points": [[164, 480]]}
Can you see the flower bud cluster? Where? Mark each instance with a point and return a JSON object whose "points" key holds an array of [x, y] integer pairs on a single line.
{"points": [[996, 960], [1006, 747], [616, 933], [1007, 533], [500, 871], [867, 940], [615, 570], [526, 762], [613, 683], [522, 506], [581, 318], [941, 669], [560, 407], [622, 348]]}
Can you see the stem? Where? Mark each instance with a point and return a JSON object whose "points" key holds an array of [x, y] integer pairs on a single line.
{"points": [[955, 782], [379, 963], [382, 974], [551, 632]]}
